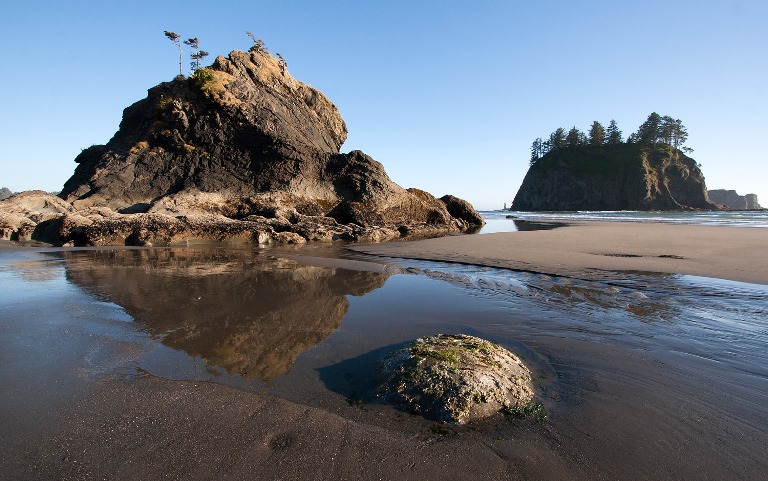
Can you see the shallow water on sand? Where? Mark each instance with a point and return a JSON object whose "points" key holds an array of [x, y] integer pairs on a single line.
{"points": [[643, 375]]}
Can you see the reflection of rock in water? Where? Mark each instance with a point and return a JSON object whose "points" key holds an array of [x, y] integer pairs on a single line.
{"points": [[35, 270], [247, 313]]}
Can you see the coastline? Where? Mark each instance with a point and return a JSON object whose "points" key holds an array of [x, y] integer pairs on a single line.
{"points": [[594, 249]]}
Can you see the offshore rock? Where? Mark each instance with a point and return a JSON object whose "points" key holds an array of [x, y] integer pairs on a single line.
{"points": [[243, 141], [732, 200], [455, 379], [613, 177]]}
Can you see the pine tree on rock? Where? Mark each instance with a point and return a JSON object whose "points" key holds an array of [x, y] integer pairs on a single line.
{"points": [[557, 139], [174, 37], [575, 137], [613, 134], [596, 134]]}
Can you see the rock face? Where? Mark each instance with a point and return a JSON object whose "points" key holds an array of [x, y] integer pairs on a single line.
{"points": [[244, 145], [620, 177], [455, 379], [731, 200]]}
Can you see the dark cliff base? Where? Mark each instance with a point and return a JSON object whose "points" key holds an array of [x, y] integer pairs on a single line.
{"points": [[613, 177]]}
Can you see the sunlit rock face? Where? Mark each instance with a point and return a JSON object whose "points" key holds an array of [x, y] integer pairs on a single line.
{"points": [[245, 141], [249, 314]]}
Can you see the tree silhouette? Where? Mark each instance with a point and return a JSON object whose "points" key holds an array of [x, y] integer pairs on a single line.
{"points": [[613, 134], [283, 63], [575, 138], [198, 55], [662, 130], [596, 134], [537, 150], [650, 130], [174, 37], [557, 139], [258, 44]]}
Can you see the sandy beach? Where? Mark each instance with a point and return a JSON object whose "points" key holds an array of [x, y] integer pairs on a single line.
{"points": [[586, 249], [132, 364]]}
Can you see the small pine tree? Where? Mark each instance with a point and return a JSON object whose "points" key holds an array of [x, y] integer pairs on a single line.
{"points": [[198, 55], [650, 131], [575, 138], [613, 134], [596, 134], [537, 150], [283, 63], [557, 139], [174, 37], [258, 44]]}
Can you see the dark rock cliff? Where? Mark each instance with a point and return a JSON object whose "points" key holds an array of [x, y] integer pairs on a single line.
{"points": [[731, 200], [620, 177]]}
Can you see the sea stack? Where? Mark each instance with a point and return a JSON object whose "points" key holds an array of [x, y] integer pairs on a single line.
{"points": [[240, 150], [730, 199], [613, 177]]}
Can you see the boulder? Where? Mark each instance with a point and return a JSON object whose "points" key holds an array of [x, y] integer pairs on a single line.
{"points": [[455, 379], [461, 209]]}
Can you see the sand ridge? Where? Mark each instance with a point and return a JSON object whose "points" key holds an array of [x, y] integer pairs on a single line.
{"points": [[724, 252]]}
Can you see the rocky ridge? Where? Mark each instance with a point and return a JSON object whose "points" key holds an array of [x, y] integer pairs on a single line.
{"points": [[239, 151]]}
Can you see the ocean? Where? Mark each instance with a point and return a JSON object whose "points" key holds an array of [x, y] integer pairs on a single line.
{"points": [[504, 220]]}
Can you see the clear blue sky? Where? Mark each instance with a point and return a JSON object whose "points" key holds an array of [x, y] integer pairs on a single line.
{"points": [[448, 95]]}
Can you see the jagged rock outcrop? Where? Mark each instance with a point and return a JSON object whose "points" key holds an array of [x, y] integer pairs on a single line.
{"points": [[243, 146], [21, 214], [731, 200], [613, 177]]}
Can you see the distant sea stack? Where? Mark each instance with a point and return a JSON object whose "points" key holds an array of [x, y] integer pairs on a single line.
{"points": [[239, 150], [613, 177], [731, 200]]}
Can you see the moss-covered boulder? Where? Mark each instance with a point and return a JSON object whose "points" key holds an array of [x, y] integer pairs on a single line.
{"points": [[455, 379]]}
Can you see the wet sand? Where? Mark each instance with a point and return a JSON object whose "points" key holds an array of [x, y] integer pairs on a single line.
{"points": [[586, 248], [638, 383]]}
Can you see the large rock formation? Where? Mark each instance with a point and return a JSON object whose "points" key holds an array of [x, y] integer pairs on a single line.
{"points": [[615, 177], [238, 151], [242, 145], [731, 200]]}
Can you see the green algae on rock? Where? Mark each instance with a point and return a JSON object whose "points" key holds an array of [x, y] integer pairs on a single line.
{"points": [[454, 378]]}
